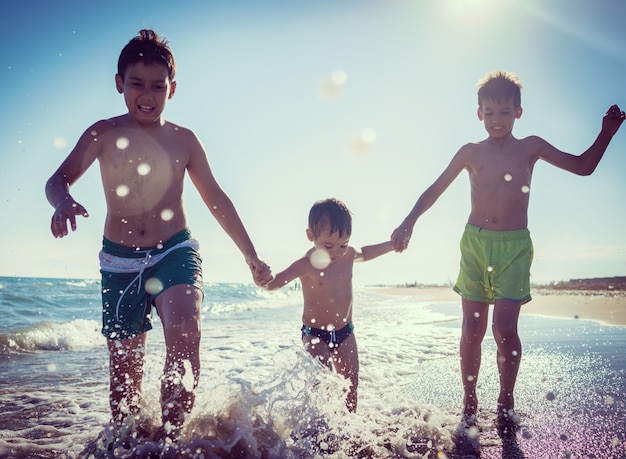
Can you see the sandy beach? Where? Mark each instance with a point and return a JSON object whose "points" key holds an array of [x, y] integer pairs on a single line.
{"points": [[605, 306], [261, 395], [570, 391]]}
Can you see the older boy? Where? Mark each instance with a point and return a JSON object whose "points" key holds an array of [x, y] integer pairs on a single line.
{"points": [[148, 257], [496, 249], [325, 272]]}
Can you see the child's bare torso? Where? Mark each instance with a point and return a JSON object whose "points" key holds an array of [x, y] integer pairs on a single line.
{"points": [[500, 179], [143, 172], [328, 294]]}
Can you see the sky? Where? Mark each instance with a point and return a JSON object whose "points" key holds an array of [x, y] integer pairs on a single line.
{"points": [[295, 101]]}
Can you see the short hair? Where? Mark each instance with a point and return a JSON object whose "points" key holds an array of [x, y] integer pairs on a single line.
{"points": [[331, 214], [149, 48], [500, 86]]}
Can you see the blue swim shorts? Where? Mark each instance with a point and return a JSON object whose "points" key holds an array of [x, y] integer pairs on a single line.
{"points": [[333, 338], [133, 277], [495, 265]]}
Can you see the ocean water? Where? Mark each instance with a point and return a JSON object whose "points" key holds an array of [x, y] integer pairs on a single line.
{"points": [[262, 396]]}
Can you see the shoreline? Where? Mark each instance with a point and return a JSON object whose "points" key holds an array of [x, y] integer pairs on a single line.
{"points": [[606, 306]]}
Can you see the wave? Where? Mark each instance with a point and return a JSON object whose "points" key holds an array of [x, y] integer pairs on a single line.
{"points": [[49, 336], [226, 298], [297, 411]]}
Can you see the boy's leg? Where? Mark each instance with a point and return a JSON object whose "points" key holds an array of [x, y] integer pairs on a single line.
{"points": [[475, 315], [126, 358], [335, 361], [504, 327], [346, 362], [179, 310], [318, 349]]}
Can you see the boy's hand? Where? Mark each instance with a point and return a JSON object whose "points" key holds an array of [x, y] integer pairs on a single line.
{"points": [[400, 238], [261, 272], [612, 120], [68, 209]]}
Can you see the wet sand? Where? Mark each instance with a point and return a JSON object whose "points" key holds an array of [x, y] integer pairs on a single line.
{"points": [[571, 389], [604, 306]]}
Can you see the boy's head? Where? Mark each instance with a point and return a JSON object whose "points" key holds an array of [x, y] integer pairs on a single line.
{"points": [[148, 48], [330, 215], [330, 227], [500, 86]]}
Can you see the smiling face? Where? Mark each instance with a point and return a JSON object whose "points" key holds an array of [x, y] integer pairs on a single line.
{"points": [[335, 245], [498, 117], [146, 90]]}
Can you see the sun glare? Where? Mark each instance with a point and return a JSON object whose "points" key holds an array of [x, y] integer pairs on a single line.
{"points": [[464, 6], [59, 143], [332, 87]]}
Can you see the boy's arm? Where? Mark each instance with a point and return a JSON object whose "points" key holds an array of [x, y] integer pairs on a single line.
{"points": [[297, 269], [58, 185], [587, 162], [369, 252], [224, 210], [401, 235]]}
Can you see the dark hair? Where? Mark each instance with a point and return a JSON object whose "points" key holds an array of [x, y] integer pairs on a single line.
{"points": [[331, 214], [149, 48], [500, 86]]}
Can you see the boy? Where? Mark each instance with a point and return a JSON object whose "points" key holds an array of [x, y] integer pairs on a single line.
{"points": [[325, 273], [148, 257], [496, 249]]}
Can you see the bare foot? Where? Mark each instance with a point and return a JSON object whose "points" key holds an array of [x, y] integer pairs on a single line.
{"points": [[506, 402], [470, 405]]}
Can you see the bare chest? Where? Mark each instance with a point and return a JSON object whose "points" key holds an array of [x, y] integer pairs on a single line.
{"points": [[493, 172]]}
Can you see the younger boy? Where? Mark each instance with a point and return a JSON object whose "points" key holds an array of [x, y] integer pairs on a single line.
{"points": [[496, 249], [148, 257], [325, 272]]}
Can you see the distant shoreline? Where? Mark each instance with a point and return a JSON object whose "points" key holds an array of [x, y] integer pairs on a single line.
{"points": [[600, 303], [615, 283]]}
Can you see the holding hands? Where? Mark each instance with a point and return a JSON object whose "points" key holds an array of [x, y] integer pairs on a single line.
{"points": [[400, 237], [261, 272]]}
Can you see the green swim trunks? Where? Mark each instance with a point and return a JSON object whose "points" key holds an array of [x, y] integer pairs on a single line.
{"points": [[495, 265], [133, 277]]}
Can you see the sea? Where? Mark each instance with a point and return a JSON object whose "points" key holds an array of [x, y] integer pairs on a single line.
{"points": [[262, 396]]}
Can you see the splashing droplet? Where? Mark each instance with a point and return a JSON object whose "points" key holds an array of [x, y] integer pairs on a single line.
{"points": [[320, 259], [143, 169], [525, 189], [508, 177], [167, 215], [122, 190], [122, 143], [154, 286]]}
